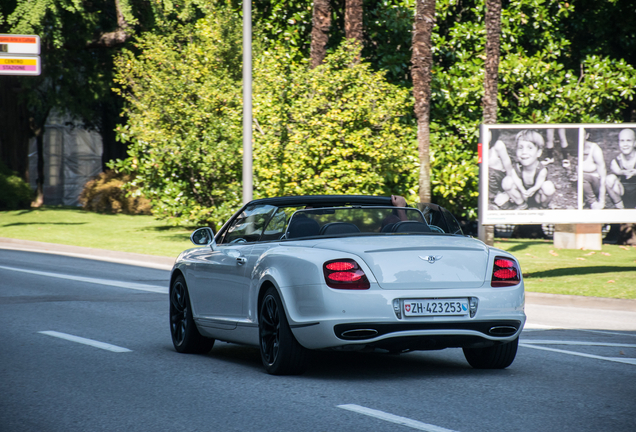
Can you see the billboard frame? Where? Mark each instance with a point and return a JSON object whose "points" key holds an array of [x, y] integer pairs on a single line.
{"points": [[555, 212]]}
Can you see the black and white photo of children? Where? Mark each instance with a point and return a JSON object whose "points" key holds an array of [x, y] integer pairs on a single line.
{"points": [[617, 147], [533, 168]]}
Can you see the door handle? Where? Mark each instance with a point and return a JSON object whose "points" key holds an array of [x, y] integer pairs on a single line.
{"points": [[241, 260]]}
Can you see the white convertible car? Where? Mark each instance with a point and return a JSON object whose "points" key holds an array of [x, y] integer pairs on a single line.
{"points": [[295, 274]]}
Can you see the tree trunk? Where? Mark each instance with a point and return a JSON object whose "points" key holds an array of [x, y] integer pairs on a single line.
{"points": [[493, 31], [116, 37], [491, 76], [39, 181], [14, 133], [321, 23], [422, 60], [36, 123], [353, 20]]}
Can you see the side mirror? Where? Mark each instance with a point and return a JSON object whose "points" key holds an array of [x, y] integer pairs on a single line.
{"points": [[203, 237]]}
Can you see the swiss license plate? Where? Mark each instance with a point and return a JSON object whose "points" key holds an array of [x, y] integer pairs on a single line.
{"points": [[437, 307]]}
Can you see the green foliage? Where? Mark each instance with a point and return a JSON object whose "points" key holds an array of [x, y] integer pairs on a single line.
{"points": [[340, 128], [76, 66], [337, 129], [535, 84], [388, 25], [15, 193], [106, 194], [284, 23], [184, 117]]}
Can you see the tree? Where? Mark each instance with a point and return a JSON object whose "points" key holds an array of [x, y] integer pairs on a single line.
{"points": [[14, 140], [183, 93], [422, 61], [321, 23], [340, 128], [78, 43], [491, 75], [75, 57], [354, 20], [491, 65]]}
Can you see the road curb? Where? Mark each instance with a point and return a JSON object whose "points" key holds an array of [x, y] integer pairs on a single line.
{"points": [[129, 258], [580, 301], [166, 263]]}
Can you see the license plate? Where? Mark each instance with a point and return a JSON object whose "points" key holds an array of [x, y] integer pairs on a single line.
{"points": [[436, 307]]}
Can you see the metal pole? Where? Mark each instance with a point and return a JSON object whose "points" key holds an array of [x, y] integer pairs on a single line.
{"points": [[247, 101]]}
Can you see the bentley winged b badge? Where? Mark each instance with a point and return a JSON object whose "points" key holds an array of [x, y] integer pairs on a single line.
{"points": [[431, 258]]}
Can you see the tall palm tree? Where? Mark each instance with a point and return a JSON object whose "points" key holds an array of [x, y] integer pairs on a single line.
{"points": [[353, 20], [422, 61], [493, 31], [491, 75], [321, 23]]}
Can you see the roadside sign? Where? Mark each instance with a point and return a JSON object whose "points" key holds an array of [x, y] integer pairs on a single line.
{"points": [[19, 44], [20, 65]]}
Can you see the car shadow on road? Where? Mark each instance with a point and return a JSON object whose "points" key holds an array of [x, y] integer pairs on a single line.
{"points": [[378, 366], [362, 366]]}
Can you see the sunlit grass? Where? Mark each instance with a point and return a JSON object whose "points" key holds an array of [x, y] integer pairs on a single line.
{"points": [[72, 226], [610, 272]]}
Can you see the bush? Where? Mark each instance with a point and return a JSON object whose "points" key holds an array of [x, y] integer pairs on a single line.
{"points": [[105, 194], [15, 193], [340, 128]]}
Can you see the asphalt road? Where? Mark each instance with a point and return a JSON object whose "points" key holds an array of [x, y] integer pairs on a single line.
{"points": [[575, 369]]}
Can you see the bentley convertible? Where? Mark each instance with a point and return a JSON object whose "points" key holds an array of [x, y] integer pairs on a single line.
{"points": [[295, 274]]}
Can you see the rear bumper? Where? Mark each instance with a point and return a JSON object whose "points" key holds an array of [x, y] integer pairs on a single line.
{"points": [[454, 334], [360, 331], [322, 318], [401, 336]]}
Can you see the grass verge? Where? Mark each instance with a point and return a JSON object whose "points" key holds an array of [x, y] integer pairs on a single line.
{"points": [[610, 272], [76, 227]]}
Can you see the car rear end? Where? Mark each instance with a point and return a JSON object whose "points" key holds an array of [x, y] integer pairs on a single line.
{"points": [[406, 292]]}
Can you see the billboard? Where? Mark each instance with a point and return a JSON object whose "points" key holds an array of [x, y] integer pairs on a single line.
{"points": [[557, 173]]}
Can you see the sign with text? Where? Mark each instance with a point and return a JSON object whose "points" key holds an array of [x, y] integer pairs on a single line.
{"points": [[20, 65], [558, 173], [19, 44]]}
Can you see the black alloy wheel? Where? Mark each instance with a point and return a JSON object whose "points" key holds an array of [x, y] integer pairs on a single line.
{"points": [[185, 335], [280, 351]]}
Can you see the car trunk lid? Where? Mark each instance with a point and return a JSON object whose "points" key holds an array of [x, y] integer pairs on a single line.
{"points": [[418, 261]]}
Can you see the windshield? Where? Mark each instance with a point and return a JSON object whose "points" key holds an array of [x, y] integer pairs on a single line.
{"points": [[347, 221]]}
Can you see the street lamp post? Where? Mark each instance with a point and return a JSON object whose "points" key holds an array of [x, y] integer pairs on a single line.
{"points": [[247, 101]]}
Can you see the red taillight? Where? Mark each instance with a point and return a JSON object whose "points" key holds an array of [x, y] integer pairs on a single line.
{"points": [[505, 273], [500, 262], [345, 274], [339, 266]]}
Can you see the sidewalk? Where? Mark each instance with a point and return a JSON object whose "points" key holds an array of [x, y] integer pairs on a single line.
{"points": [[166, 263]]}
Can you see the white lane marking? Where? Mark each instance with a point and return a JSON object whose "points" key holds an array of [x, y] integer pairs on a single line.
{"points": [[608, 332], [393, 418], [557, 342], [90, 342], [612, 359], [108, 282], [530, 327]]}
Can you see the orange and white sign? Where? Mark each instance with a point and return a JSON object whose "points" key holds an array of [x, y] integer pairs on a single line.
{"points": [[19, 44], [20, 65]]}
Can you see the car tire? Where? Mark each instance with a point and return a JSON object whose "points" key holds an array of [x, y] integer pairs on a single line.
{"points": [[495, 357], [280, 351], [185, 335]]}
